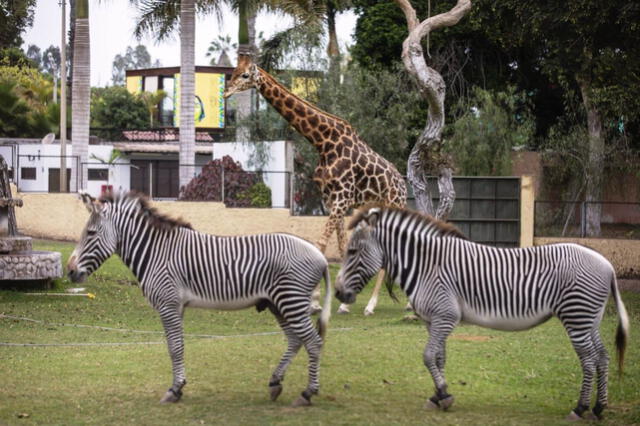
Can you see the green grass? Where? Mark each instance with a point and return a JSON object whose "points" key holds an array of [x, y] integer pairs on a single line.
{"points": [[372, 372]]}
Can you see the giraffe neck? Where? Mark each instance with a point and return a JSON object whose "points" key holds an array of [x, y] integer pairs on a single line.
{"points": [[315, 125]]}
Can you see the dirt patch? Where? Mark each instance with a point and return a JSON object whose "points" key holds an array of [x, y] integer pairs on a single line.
{"points": [[470, 338]]}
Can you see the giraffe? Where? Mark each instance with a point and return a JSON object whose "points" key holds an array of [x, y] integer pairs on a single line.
{"points": [[349, 173]]}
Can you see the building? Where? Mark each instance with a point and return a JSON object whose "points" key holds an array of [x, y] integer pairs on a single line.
{"points": [[148, 167]]}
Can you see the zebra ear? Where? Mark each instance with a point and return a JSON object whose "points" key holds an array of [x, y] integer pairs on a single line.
{"points": [[372, 216], [90, 203]]}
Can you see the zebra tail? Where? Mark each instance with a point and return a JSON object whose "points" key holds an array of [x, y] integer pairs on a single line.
{"points": [[622, 333], [323, 321]]}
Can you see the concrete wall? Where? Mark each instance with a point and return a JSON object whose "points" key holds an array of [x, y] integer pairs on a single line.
{"points": [[623, 254], [63, 217]]}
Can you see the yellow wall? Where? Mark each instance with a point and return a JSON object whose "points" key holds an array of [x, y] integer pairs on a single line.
{"points": [[624, 255], [63, 217], [527, 203]]}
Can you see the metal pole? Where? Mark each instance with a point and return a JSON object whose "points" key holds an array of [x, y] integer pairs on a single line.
{"points": [[63, 99]]}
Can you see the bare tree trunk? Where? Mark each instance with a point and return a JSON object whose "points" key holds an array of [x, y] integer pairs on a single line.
{"points": [[595, 162], [427, 156], [81, 89], [187, 91]]}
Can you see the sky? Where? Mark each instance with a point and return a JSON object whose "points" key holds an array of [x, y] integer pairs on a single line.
{"points": [[112, 23]]}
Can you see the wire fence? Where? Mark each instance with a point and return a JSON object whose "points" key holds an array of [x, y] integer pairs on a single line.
{"points": [[571, 219]]}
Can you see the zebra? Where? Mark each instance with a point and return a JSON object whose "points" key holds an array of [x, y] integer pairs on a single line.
{"points": [[449, 279], [177, 267]]}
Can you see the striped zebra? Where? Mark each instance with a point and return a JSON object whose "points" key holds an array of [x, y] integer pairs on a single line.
{"points": [[449, 279], [179, 267]]}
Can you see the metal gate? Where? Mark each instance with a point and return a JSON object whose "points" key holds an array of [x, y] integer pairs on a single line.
{"points": [[486, 209]]}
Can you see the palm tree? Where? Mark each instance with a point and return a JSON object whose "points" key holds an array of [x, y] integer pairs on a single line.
{"points": [[81, 89], [187, 91], [223, 45]]}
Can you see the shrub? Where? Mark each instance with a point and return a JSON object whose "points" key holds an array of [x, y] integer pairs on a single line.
{"points": [[259, 195], [207, 186]]}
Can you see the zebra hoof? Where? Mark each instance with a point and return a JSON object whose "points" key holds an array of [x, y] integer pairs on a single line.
{"points": [[343, 310], [275, 391], [446, 403], [431, 406], [573, 417], [368, 312], [301, 402], [170, 397]]}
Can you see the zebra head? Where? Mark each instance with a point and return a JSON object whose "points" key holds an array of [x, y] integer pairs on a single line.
{"points": [[363, 259], [97, 243]]}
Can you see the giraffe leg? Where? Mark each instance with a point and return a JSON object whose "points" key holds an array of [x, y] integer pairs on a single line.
{"points": [[336, 222], [374, 296]]}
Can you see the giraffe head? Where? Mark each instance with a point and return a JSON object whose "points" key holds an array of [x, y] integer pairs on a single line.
{"points": [[244, 77]]}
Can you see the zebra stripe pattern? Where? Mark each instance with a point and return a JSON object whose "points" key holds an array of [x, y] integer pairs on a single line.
{"points": [[449, 279], [178, 267]]}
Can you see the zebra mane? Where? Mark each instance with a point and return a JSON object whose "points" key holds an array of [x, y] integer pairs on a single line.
{"points": [[444, 228], [155, 218]]}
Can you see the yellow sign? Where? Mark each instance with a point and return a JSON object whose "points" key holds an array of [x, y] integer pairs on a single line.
{"points": [[209, 103]]}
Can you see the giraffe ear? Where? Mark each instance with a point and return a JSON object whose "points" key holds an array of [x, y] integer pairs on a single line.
{"points": [[254, 69], [89, 202]]}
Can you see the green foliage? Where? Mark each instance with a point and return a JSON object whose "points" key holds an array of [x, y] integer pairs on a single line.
{"points": [[15, 57], [115, 108], [259, 195], [26, 109], [490, 125], [15, 18], [591, 43]]}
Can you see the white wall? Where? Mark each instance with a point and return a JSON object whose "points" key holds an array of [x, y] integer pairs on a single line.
{"points": [[42, 157]]}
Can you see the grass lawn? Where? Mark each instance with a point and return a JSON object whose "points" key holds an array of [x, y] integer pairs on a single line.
{"points": [[372, 370]]}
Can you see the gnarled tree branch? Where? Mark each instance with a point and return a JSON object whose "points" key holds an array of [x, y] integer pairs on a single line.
{"points": [[426, 156]]}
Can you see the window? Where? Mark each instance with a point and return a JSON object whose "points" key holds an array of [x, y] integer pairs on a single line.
{"points": [[28, 173], [98, 174]]}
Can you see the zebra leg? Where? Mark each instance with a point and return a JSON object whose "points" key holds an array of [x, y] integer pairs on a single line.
{"points": [[602, 368], [313, 344], [586, 350], [293, 346], [171, 316], [434, 360]]}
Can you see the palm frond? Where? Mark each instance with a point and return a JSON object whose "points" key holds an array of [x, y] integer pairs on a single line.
{"points": [[161, 17], [274, 49]]}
